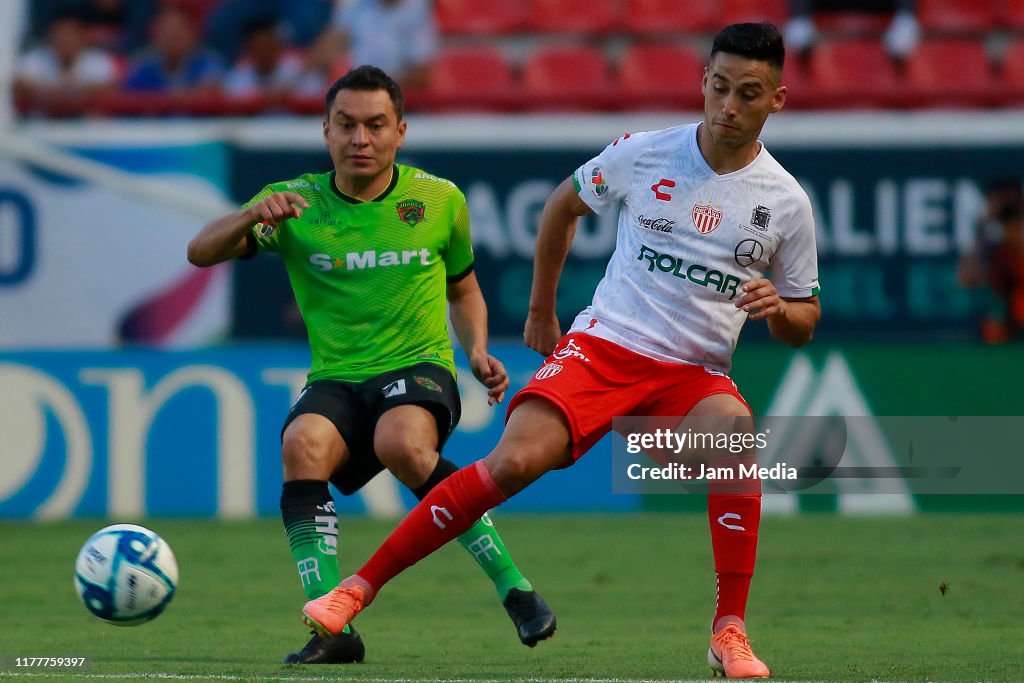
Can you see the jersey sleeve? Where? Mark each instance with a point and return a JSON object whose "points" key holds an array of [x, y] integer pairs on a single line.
{"points": [[458, 257], [604, 181], [262, 237], [795, 263]]}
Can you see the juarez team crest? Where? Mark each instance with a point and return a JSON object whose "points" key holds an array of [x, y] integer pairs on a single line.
{"points": [[411, 210]]}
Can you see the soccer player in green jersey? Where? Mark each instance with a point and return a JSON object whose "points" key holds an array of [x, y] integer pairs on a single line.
{"points": [[376, 253]]}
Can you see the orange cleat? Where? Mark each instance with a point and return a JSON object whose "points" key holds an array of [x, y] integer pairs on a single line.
{"points": [[331, 613], [730, 654]]}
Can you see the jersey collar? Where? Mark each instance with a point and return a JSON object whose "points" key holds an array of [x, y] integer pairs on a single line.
{"points": [[379, 198]]}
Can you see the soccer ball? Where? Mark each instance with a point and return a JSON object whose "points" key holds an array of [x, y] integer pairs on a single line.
{"points": [[126, 574]]}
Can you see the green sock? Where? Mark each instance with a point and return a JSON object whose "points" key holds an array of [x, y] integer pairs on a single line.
{"points": [[485, 545], [312, 527]]}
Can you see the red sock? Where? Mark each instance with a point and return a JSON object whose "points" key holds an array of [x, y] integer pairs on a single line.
{"points": [[734, 521], [449, 509]]}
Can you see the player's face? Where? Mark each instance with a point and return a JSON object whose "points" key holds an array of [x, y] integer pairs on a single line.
{"points": [[363, 134], [739, 94]]}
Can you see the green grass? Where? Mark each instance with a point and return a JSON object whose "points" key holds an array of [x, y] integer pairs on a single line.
{"points": [[834, 599]]}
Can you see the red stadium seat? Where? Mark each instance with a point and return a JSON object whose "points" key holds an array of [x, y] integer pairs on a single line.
{"points": [[661, 76], [951, 72], [852, 73], [1012, 16], [957, 16], [1012, 72], [849, 24], [740, 11], [471, 78], [567, 78], [480, 17], [658, 17], [574, 16]]}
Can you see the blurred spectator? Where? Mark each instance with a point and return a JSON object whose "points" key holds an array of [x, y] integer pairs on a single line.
{"points": [[65, 68], [997, 261], [119, 25], [299, 23], [267, 68], [900, 38], [398, 36], [176, 62]]}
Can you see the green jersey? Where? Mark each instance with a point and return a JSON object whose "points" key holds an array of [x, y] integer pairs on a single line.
{"points": [[370, 278]]}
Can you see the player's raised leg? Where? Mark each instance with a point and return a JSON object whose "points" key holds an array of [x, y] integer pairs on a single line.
{"points": [[536, 439], [405, 439], [311, 449], [734, 515]]}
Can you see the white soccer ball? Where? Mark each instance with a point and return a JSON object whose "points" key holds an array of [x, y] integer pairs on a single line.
{"points": [[125, 574]]}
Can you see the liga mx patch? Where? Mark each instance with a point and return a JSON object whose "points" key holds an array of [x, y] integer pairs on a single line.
{"points": [[548, 370], [411, 211], [428, 384]]}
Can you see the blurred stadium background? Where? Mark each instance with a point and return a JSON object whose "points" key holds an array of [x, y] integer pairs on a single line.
{"points": [[134, 386]]}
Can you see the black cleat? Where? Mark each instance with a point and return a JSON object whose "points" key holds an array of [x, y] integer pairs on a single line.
{"points": [[341, 649], [533, 618]]}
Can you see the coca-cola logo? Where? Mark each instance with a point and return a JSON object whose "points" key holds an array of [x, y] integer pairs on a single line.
{"points": [[658, 224]]}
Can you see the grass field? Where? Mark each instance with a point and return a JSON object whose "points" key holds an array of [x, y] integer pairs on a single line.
{"points": [[834, 600]]}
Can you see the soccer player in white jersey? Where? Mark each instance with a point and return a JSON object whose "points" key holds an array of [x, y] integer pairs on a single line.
{"points": [[704, 212]]}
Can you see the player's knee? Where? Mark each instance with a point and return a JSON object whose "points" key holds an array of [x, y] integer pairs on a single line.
{"points": [[305, 455], [514, 469], [409, 460]]}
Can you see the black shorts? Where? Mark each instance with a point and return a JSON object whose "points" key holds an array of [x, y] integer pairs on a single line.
{"points": [[355, 408]]}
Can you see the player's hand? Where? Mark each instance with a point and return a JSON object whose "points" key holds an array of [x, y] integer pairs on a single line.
{"points": [[542, 332], [277, 208], [761, 299], [491, 373]]}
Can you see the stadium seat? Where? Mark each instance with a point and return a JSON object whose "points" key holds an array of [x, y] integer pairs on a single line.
{"points": [[471, 78], [661, 76], [851, 24], [480, 17], [590, 17], [956, 16], [567, 78], [1012, 16], [659, 17], [951, 72], [851, 73], [1012, 75], [739, 11]]}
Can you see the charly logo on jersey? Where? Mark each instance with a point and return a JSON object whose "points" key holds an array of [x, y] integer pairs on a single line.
{"points": [[659, 187], [658, 224], [599, 188], [696, 273], [266, 230], [411, 211], [705, 218], [362, 260], [748, 252]]}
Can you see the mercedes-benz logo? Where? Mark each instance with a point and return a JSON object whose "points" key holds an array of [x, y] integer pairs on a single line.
{"points": [[749, 252]]}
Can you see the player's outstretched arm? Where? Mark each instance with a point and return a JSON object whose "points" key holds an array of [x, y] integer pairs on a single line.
{"points": [[791, 321], [469, 320], [554, 235], [224, 238]]}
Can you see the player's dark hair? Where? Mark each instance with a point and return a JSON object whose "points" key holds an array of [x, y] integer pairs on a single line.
{"points": [[370, 78], [258, 24], [762, 42]]}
